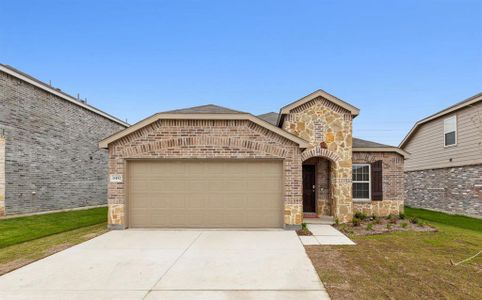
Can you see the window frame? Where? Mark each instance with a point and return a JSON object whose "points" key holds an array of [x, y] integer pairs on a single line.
{"points": [[455, 131], [369, 183]]}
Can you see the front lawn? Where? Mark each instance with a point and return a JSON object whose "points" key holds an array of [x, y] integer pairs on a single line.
{"points": [[26, 239], [406, 265], [22, 229]]}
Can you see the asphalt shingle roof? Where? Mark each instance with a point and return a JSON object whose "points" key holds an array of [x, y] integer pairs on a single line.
{"points": [[270, 117], [359, 143], [204, 109]]}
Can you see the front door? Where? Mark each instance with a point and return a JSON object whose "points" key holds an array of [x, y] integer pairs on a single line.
{"points": [[309, 188]]}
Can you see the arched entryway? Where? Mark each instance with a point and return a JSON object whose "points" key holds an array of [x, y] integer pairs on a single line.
{"points": [[317, 196], [319, 168]]}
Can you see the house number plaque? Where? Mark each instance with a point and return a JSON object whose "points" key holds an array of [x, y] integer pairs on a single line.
{"points": [[116, 178]]}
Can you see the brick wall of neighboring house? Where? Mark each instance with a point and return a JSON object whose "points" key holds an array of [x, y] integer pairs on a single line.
{"points": [[320, 120], [51, 150], [454, 190], [205, 139], [393, 183], [2, 175]]}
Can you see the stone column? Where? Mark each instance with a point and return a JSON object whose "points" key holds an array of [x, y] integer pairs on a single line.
{"points": [[341, 185]]}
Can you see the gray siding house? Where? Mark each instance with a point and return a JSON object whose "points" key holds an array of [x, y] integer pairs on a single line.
{"points": [[444, 170], [49, 158]]}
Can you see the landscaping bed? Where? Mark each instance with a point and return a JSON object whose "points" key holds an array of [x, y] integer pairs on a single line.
{"points": [[369, 225], [304, 230]]}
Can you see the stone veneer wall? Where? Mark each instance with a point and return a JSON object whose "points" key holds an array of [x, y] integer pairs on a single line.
{"points": [[454, 190], [52, 156], [393, 183], [205, 139], [2, 175], [320, 120]]}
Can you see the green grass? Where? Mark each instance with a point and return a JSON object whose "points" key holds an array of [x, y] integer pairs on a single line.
{"points": [[443, 218], [22, 229], [16, 256], [406, 265]]}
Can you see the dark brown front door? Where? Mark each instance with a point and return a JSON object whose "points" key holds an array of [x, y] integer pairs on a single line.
{"points": [[309, 188]]}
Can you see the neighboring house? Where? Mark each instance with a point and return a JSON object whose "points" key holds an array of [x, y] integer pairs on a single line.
{"points": [[209, 166], [49, 158], [444, 171]]}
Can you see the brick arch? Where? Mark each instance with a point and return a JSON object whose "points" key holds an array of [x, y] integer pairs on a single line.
{"points": [[320, 152], [208, 141]]}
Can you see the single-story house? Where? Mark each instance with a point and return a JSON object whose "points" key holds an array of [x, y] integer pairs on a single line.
{"points": [[49, 154], [444, 171], [210, 166]]}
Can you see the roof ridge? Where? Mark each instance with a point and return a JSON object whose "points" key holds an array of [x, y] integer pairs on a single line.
{"points": [[58, 92], [199, 109]]}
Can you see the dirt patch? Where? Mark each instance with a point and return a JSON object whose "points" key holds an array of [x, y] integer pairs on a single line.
{"points": [[13, 265], [57, 248]]}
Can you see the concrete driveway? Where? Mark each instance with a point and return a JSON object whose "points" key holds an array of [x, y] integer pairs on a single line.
{"points": [[188, 264]]}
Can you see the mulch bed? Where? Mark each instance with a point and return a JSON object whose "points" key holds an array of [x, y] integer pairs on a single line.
{"points": [[304, 231], [380, 225]]}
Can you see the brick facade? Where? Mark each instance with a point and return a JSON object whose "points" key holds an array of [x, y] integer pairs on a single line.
{"points": [[2, 175], [52, 159], [454, 190], [326, 126], [205, 139], [393, 183]]}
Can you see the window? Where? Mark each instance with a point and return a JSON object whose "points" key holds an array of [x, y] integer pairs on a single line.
{"points": [[361, 181], [450, 131]]}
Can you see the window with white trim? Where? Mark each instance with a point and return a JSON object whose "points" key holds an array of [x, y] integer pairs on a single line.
{"points": [[361, 181], [450, 131]]}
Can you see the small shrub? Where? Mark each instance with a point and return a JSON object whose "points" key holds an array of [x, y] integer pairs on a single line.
{"points": [[304, 226], [337, 221], [377, 220], [369, 226], [389, 226], [401, 216], [414, 220], [404, 224], [356, 221], [360, 215]]}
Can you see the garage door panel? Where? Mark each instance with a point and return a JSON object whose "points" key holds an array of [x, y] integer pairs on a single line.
{"points": [[205, 193]]}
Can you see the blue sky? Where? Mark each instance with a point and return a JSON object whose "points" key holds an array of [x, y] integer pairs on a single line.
{"points": [[398, 61]]}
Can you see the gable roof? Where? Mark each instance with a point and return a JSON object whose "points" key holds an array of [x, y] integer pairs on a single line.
{"points": [[57, 92], [467, 102], [318, 93], [203, 113], [205, 109], [270, 117], [360, 145]]}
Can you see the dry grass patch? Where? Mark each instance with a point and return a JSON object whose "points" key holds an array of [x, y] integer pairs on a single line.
{"points": [[403, 265], [16, 256]]}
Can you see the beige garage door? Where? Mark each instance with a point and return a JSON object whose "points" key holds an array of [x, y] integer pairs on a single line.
{"points": [[205, 193]]}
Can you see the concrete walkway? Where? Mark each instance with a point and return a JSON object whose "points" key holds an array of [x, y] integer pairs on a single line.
{"points": [[325, 235], [155, 264]]}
